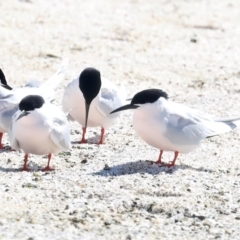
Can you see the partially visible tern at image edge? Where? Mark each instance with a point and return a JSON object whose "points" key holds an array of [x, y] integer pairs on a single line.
{"points": [[170, 126], [10, 99], [89, 101]]}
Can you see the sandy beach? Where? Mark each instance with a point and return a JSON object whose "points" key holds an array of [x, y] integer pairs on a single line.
{"points": [[191, 50]]}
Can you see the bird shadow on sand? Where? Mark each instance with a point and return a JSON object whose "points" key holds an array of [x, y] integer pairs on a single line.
{"points": [[10, 169], [142, 167], [30, 169], [7, 149]]}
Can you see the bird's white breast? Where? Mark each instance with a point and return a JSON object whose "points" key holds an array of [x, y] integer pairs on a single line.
{"points": [[32, 133]]}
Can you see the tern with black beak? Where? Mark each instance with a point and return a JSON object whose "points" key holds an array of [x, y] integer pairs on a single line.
{"points": [[170, 126], [91, 100]]}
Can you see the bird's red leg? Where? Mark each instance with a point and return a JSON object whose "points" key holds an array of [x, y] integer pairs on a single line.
{"points": [[25, 168], [83, 135], [173, 161], [47, 168], [1, 135], [102, 135], [159, 161]]}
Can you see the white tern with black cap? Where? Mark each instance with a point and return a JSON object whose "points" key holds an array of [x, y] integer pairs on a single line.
{"points": [[91, 100], [40, 128], [171, 126]]}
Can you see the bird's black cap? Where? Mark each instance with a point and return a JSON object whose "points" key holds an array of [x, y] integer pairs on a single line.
{"points": [[145, 96], [31, 102], [148, 96], [90, 83]]}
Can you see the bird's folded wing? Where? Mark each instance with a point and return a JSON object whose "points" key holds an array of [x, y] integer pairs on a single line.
{"points": [[60, 134], [8, 102], [185, 130], [13, 141], [4, 92], [6, 116], [186, 126], [108, 101], [189, 126], [68, 101], [33, 83]]}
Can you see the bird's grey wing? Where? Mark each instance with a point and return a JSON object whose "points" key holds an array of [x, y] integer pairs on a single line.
{"points": [[13, 141], [68, 100], [11, 98], [187, 127], [8, 106], [9, 101], [60, 133], [6, 117], [108, 101], [4, 91], [33, 83]]}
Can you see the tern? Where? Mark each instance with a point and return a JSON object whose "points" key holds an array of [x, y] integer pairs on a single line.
{"points": [[9, 100], [170, 126], [40, 128], [91, 101]]}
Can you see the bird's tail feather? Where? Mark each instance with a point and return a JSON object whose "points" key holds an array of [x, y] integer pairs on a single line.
{"points": [[220, 126], [235, 119], [56, 79]]}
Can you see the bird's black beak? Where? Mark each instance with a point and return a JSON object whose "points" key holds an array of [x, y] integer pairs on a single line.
{"points": [[87, 105], [125, 107], [23, 114], [6, 86]]}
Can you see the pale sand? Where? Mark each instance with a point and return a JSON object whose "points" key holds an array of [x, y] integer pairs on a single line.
{"points": [[191, 49]]}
